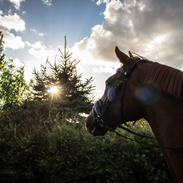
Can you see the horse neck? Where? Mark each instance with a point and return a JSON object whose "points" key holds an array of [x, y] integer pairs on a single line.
{"points": [[166, 119]]}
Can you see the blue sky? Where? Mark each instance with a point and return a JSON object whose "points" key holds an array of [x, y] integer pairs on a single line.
{"points": [[35, 29], [73, 18]]}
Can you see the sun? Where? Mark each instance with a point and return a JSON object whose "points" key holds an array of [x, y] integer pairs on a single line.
{"points": [[53, 90]]}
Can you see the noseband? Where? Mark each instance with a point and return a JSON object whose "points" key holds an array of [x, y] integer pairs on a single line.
{"points": [[100, 108]]}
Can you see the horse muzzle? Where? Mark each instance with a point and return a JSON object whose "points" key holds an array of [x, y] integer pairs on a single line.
{"points": [[93, 128]]}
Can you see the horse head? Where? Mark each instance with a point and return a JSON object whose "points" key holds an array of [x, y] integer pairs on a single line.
{"points": [[119, 102]]}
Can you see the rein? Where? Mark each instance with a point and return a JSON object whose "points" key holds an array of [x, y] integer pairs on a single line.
{"points": [[144, 136], [135, 133]]}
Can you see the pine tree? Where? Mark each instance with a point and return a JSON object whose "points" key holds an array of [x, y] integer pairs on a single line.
{"points": [[74, 93]]}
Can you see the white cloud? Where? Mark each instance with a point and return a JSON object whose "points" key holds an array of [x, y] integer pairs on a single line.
{"points": [[99, 2], [36, 45], [41, 51], [16, 3], [47, 2], [110, 69], [96, 46], [12, 41], [33, 30], [9, 23], [18, 63], [23, 12], [151, 28], [12, 22]]}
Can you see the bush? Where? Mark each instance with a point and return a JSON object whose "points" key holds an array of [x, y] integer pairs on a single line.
{"points": [[67, 153], [13, 87]]}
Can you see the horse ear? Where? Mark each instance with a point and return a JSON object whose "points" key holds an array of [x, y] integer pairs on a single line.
{"points": [[130, 54], [123, 58]]}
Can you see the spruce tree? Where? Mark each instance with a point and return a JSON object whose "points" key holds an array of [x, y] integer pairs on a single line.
{"points": [[74, 93]]}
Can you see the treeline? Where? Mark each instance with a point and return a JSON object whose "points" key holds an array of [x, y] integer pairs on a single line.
{"points": [[43, 136]]}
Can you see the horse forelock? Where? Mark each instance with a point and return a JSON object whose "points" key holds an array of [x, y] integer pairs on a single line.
{"points": [[166, 79]]}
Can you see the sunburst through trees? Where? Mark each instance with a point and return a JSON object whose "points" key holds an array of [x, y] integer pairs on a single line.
{"points": [[62, 75]]}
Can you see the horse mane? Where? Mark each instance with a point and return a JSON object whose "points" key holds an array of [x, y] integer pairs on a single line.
{"points": [[167, 79]]}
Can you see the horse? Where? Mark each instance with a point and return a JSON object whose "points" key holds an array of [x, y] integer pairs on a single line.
{"points": [[141, 88]]}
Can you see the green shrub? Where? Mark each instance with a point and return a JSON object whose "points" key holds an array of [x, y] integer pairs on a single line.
{"points": [[67, 153]]}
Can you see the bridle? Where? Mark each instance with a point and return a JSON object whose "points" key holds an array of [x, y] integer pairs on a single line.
{"points": [[99, 109]]}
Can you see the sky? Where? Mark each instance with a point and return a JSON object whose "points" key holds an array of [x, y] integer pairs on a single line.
{"points": [[34, 30]]}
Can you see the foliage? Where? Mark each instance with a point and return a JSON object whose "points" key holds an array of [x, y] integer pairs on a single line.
{"points": [[67, 153], [1, 50], [13, 88], [73, 92]]}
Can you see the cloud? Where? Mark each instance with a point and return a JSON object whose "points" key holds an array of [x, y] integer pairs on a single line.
{"points": [[99, 2], [17, 3], [41, 51], [38, 54], [104, 69], [33, 30], [18, 63], [47, 2], [151, 28], [9, 23], [96, 46], [23, 12], [12, 22], [12, 41]]}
